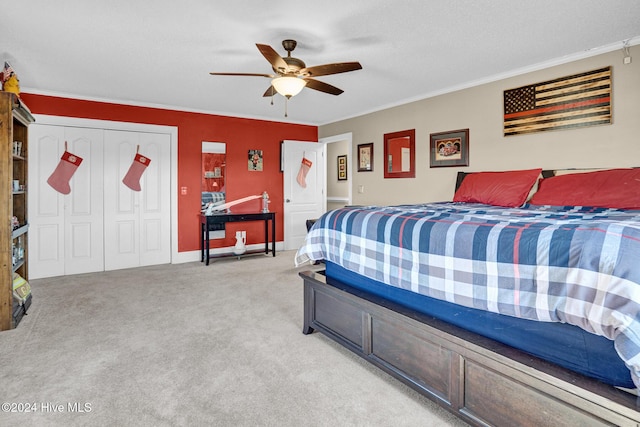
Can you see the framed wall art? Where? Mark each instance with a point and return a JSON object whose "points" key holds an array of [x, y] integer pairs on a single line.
{"points": [[450, 148], [365, 157], [400, 154], [342, 168], [569, 102], [255, 160]]}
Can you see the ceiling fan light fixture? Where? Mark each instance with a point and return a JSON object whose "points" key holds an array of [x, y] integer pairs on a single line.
{"points": [[288, 86]]}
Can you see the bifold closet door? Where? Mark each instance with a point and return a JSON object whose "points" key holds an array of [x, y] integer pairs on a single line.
{"points": [[137, 224], [101, 224], [65, 231]]}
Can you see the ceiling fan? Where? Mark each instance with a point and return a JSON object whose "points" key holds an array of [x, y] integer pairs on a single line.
{"points": [[292, 74]]}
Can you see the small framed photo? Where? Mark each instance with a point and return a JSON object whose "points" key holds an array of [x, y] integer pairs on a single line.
{"points": [[342, 168], [255, 160], [365, 157], [450, 148]]}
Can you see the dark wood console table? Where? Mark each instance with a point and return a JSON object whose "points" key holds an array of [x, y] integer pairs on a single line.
{"points": [[207, 220]]}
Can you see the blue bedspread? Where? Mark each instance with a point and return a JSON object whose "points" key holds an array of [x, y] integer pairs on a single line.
{"points": [[577, 265]]}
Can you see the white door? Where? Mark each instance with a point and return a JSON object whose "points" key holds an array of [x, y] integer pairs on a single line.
{"points": [[137, 227], [302, 203], [65, 231]]}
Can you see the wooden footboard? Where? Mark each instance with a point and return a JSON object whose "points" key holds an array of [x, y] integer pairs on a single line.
{"points": [[478, 379]]}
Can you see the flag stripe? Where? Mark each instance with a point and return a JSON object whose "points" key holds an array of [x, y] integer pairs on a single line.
{"points": [[565, 106], [578, 100], [573, 96], [591, 85], [586, 119], [563, 81], [558, 126], [549, 117]]}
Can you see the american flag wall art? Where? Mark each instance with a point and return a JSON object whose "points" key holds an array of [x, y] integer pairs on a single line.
{"points": [[568, 102]]}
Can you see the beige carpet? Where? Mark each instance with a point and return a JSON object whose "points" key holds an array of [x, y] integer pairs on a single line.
{"points": [[191, 345]]}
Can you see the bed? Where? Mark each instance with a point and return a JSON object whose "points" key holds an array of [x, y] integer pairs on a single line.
{"points": [[517, 303]]}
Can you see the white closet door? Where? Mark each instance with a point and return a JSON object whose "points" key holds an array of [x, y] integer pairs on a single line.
{"points": [[65, 231], [46, 206], [137, 224]]}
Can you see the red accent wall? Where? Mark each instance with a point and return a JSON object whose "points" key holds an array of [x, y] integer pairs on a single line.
{"points": [[240, 135]]}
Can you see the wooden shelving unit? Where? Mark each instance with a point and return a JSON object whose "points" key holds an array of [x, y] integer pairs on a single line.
{"points": [[14, 122]]}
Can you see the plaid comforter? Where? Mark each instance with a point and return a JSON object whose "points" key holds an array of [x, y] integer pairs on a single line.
{"points": [[576, 265]]}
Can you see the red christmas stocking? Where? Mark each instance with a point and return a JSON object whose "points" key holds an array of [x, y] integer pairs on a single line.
{"points": [[137, 168], [302, 173], [60, 177]]}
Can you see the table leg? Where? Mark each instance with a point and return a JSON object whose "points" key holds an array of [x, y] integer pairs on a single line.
{"points": [[266, 236], [207, 241], [273, 235], [201, 242]]}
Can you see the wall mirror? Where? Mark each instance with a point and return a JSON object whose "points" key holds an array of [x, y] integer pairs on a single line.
{"points": [[213, 173], [400, 154]]}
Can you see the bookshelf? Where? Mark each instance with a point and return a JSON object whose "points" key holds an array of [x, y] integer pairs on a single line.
{"points": [[14, 121]]}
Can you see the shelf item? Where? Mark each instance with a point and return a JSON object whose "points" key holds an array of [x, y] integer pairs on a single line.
{"points": [[19, 231], [14, 153], [21, 289], [20, 310]]}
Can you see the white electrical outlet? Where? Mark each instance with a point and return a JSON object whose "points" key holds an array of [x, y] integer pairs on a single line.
{"points": [[361, 189]]}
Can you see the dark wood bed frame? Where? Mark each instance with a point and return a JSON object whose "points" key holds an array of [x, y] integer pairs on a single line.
{"points": [[478, 379]]}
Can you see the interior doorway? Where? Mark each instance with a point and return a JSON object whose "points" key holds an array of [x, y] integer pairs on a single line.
{"points": [[339, 191]]}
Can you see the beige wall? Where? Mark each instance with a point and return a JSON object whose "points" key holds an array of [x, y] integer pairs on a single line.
{"points": [[480, 109]]}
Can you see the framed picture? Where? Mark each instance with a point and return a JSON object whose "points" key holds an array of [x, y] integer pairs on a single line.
{"points": [[365, 157], [342, 168], [255, 160], [450, 148], [569, 112]]}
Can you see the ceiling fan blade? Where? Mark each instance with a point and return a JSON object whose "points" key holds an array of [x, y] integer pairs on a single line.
{"points": [[270, 92], [243, 74], [325, 70], [272, 56], [323, 87]]}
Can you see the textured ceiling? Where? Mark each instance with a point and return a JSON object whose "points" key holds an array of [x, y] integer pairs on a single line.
{"points": [[160, 52]]}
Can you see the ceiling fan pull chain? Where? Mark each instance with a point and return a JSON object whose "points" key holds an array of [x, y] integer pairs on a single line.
{"points": [[286, 100]]}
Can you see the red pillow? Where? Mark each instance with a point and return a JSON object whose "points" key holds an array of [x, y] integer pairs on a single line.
{"points": [[509, 188], [613, 188]]}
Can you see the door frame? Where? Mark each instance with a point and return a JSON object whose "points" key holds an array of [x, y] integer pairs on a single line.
{"points": [[172, 131]]}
